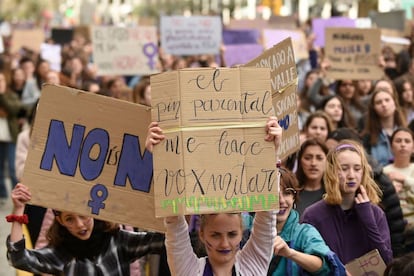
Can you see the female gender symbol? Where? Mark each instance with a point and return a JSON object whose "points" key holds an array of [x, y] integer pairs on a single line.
{"points": [[150, 51]]}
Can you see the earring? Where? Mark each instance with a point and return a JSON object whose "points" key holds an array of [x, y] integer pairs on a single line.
{"points": [[294, 205]]}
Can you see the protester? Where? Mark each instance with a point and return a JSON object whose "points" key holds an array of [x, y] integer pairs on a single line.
{"points": [[401, 172], [10, 107], [390, 202], [78, 245], [220, 233], [299, 247], [384, 116], [338, 111], [348, 217], [311, 167]]}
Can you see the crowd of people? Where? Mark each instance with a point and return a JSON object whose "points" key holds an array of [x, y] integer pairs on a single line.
{"points": [[348, 190]]}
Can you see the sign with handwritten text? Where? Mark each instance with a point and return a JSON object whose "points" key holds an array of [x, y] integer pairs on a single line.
{"points": [[125, 51], [284, 81], [193, 35], [214, 157], [353, 53], [368, 264], [88, 156]]}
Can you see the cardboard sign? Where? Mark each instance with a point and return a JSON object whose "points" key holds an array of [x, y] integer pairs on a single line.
{"points": [[87, 155], [283, 78], [369, 264], [272, 37], [214, 157], [242, 24], [125, 51], [28, 38], [319, 25], [191, 35], [353, 53]]}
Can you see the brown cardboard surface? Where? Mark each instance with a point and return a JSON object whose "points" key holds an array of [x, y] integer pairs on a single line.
{"points": [[353, 53], [28, 38], [283, 77], [214, 158], [369, 264], [85, 157]]}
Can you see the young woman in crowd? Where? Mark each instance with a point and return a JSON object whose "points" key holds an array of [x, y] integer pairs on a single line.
{"points": [[384, 116], [221, 233], [299, 247], [347, 91], [348, 215], [311, 167], [401, 172], [338, 111], [78, 245], [405, 92]]}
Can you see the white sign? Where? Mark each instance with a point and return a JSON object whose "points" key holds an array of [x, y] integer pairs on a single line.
{"points": [[191, 35], [53, 54], [125, 51]]}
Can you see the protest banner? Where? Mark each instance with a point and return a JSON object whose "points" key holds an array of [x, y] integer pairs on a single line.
{"points": [[27, 38], [353, 53], [239, 54], [369, 264], [53, 54], [284, 81], [242, 24], [272, 37], [125, 51], [320, 24], [214, 157], [193, 35], [87, 155], [231, 37]]}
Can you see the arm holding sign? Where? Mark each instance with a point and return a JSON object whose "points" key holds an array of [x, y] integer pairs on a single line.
{"points": [[220, 233]]}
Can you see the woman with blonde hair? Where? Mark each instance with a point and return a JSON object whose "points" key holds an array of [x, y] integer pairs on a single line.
{"points": [[348, 215]]}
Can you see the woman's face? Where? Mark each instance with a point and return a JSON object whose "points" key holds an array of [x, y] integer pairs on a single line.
{"points": [[350, 171], [384, 104], [318, 129], [19, 76], [221, 235], [79, 226], [407, 94], [402, 144], [286, 200], [334, 109], [310, 79], [364, 86], [313, 162], [347, 89], [43, 69]]}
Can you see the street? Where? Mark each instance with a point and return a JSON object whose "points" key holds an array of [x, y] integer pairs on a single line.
{"points": [[5, 268]]}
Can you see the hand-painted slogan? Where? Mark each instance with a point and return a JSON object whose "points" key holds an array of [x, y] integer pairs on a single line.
{"points": [[214, 158], [193, 35], [353, 53], [88, 156], [125, 51], [284, 81]]}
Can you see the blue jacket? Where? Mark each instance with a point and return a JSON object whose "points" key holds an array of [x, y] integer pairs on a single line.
{"points": [[305, 238], [381, 151]]}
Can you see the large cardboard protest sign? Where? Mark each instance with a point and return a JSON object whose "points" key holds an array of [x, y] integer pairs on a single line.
{"points": [[125, 51], [353, 53], [193, 35], [283, 78], [87, 155], [214, 157], [369, 264], [27, 38]]}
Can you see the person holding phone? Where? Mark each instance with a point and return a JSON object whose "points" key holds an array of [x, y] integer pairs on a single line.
{"points": [[348, 215]]}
